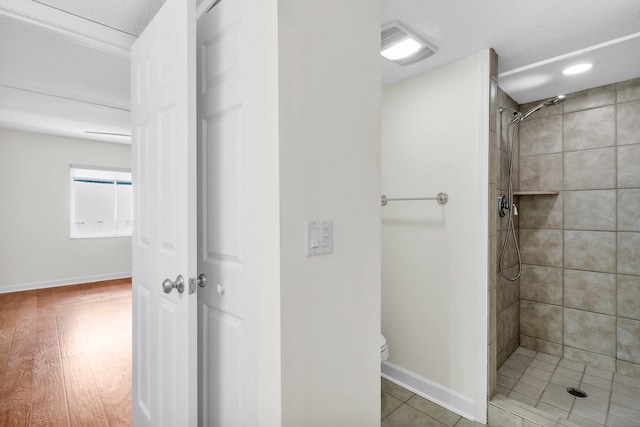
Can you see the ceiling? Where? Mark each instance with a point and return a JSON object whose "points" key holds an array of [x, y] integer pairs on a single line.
{"points": [[64, 64]]}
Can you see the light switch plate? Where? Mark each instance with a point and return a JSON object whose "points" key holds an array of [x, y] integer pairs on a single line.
{"points": [[319, 237]]}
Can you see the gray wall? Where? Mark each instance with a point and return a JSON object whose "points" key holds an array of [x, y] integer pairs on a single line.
{"points": [[580, 287]]}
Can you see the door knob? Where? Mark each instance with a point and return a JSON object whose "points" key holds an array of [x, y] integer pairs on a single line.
{"points": [[168, 285], [202, 280]]}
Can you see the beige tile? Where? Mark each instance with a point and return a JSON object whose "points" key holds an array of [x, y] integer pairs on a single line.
{"points": [[590, 169], [594, 128], [541, 284], [549, 367], [557, 396], [628, 170], [590, 98], [616, 421], [572, 365], [547, 358], [466, 423], [628, 369], [493, 66], [493, 107], [542, 321], [541, 247], [395, 390], [493, 315], [628, 90], [526, 352], [500, 417], [594, 360], [629, 253], [597, 382], [389, 404], [590, 210], [631, 414], [561, 413], [538, 373], [407, 416], [602, 373], [585, 409], [630, 381], [547, 347], [536, 382], [540, 211], [541, 172], [590, 331], [541, 136], [583, 422], [590, 250], [493, 368], [436, 411], [629, 340], [629, 296], [566, 381], [624, 393], [628, 125], [507, 372], [527, 400], [518, 362], [505, 381], [586, 290], [628, 208]]}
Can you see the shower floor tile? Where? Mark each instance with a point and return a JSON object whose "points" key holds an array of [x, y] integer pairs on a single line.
{"points": [[541, 381]]}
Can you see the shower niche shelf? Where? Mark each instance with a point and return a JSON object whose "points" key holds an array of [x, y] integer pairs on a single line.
{"points": [[536, 193]]}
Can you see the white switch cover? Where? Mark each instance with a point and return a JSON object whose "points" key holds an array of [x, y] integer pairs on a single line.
{"points": [[319, 240]]}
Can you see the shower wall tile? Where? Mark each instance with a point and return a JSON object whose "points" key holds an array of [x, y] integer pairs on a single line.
{"points": [[628, 123], [589, 129], [542, 321], [628, 170], [594, 360], [541, 247], [508, 325], [541, 136], [590, 98], [541, 284], [590, 169], [629, 253], [492, 315], [507, 292], [590, 250], [590, 210], [540, 211], [586, 290], [628, 343], [493, 65], [628, 90], [554, 349], [493, 211], [541, 172], [629, 296], [629, 210], [590, 331], [492, 157]]}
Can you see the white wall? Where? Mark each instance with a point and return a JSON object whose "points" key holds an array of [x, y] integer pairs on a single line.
{"points": [[330, 169], [34, 219], [433, 266]]}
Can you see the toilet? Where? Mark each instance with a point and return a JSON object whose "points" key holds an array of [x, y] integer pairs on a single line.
{"points": [[384, 349]]}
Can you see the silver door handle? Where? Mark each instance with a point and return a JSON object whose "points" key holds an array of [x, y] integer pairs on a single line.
{"points": [[168, 285], [202, 280]]}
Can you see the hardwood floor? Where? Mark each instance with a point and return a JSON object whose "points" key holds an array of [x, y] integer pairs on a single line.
{"points": [[65, 356]]}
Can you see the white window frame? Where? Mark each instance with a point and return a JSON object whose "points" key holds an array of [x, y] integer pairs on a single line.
{"points": [[115, 176]]}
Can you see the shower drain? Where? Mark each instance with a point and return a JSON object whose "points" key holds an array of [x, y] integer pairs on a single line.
{"points": [[576, 392]]}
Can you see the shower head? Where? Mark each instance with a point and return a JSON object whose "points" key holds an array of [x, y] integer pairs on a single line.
{"points": [[548, 103]]}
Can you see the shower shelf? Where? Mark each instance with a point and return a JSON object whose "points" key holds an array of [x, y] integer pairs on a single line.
{"points": [[536, 193]]}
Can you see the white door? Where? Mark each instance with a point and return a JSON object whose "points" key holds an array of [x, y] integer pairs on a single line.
{"points": [[226, 218], [164, 244]]}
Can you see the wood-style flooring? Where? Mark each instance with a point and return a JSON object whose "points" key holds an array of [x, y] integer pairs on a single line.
{"points": [[65, 356]]}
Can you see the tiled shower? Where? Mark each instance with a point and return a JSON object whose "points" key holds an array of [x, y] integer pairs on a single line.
{"points": [[579, 293]]}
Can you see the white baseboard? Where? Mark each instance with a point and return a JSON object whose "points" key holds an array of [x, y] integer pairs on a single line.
{"points": [[439, 394], [62, 282]]}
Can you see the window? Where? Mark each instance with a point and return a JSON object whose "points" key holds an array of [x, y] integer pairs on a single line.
{"points": [[101, 202]]}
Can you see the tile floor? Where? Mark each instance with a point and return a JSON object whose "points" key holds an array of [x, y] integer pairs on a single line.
{"points": [[402, 408], [541, 380]]}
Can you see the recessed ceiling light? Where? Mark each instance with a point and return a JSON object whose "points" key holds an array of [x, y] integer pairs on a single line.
{"points": [[577, 68], [403, 46]]}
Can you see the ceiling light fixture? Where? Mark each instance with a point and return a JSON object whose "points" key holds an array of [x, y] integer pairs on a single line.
{"points": [[577, 68], [402, 46]]}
